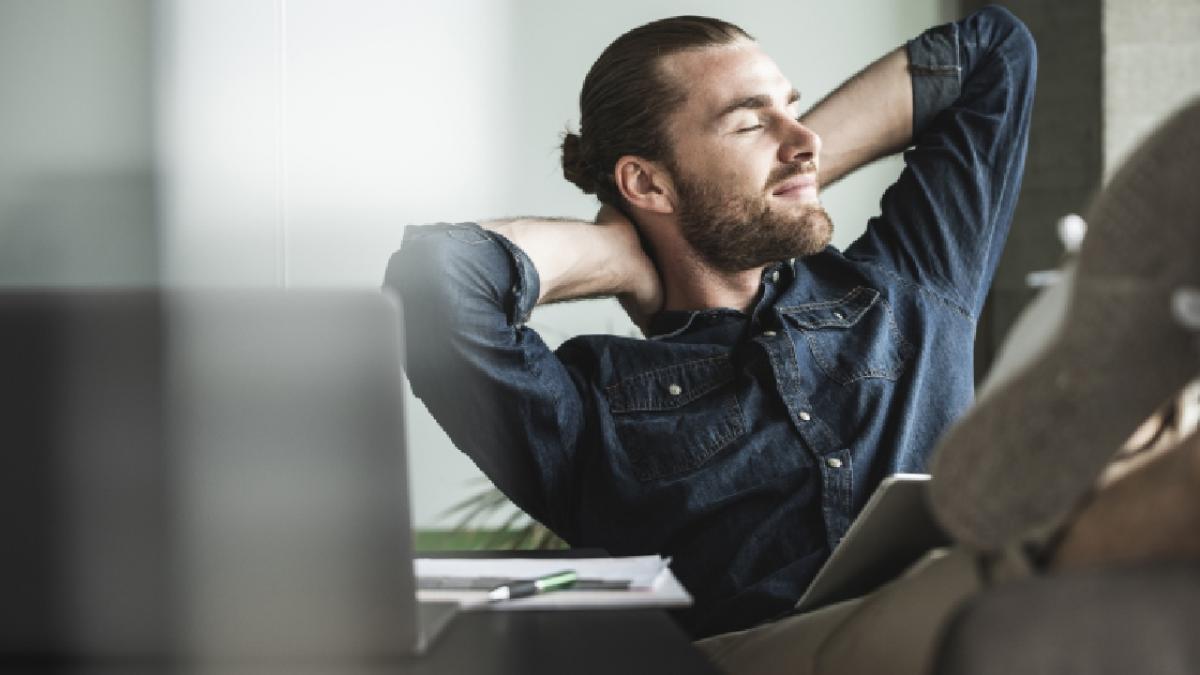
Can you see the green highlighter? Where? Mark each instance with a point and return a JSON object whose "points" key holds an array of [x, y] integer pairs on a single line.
{"points": [[527, 587]]}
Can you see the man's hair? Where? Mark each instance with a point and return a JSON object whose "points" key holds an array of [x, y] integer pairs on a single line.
{"points": [[626, 99]]}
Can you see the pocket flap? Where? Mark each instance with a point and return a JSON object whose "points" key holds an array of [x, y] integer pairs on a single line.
{"points": [[841, 313], [670, 387]]}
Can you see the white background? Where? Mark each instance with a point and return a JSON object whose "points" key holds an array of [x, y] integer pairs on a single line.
{"points": [[297, 138]]}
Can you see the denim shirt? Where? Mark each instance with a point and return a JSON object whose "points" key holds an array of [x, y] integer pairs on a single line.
{"points": [[742, 444]]}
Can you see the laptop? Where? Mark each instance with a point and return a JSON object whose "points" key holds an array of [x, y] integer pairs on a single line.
{"points": [[205, 474], [893, 530]]}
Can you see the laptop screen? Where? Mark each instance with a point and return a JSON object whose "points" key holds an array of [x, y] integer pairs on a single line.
{"points": [[214, 473]]}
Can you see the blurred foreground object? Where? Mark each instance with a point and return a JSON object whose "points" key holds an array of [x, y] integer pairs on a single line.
{"points": [[208, 475]]}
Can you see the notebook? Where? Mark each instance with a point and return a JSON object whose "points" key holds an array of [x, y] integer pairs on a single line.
{"points": [[205, 474], [603, 582]]}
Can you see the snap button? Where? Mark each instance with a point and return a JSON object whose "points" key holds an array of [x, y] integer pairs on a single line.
{"points": [[833, 462], [805, 416], [775, 275], [675, 390], [768, 333]]}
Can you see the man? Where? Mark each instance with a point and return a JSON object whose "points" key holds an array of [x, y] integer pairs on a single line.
{"points": [[781, 379]]}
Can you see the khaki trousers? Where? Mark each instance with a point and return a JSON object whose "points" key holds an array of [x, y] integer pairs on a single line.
{"points": [[897, 629]]}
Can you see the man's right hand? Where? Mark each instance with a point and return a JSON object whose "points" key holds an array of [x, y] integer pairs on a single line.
{"points": [[643, 294], [577, 259]]}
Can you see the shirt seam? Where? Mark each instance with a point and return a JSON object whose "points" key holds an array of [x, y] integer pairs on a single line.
{"points": [[931, 292]]}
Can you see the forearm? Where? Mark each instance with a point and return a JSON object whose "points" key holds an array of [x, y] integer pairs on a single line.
{"points": [[868, 117], [579, 259], [573, 258]]}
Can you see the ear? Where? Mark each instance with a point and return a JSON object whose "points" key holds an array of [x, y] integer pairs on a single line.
{"points": [[646, 185]]}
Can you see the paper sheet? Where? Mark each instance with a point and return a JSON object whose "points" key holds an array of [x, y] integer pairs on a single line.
{"points": [[651, 582]]}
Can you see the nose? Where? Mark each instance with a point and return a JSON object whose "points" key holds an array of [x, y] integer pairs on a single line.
{"points": [[799, 144]]}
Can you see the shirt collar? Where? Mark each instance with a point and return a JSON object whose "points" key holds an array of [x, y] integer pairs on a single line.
{"points": [[670, 323]]}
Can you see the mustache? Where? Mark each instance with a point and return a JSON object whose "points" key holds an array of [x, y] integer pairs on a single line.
{"points": [[782, 173]]}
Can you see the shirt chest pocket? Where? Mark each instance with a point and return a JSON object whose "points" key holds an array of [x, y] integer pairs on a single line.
{"points": [[852, 338], [672, 420]]}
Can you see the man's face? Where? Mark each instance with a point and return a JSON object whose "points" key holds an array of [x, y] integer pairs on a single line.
{"points": [[745, 170]]}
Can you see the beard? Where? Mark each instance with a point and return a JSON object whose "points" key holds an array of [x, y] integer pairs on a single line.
{"points": [[734, 232]]}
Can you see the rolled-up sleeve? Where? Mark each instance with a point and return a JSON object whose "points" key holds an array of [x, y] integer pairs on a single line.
{"points": [[944, 222], [492, 384], [936, 73]]}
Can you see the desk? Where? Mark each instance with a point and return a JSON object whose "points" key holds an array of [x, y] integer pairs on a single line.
{"points": [[620, 642], [623, 642]]}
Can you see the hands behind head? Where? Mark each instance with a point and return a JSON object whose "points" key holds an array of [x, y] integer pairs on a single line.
{"points": [[643, 295]]}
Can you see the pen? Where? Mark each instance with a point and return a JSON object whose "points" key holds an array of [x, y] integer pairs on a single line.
{"points": [[528, 587]]}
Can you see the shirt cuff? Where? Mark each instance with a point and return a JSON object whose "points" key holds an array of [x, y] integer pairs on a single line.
{"points": [[933, 59], [466, 251], [526, 287]]}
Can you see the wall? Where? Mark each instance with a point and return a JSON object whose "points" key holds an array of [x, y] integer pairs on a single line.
{"points": [[1151, 67], [76, 143], [1108, 71], [298, 137]]}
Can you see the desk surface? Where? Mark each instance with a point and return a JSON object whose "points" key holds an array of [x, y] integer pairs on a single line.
{"points": [[625, 642]]}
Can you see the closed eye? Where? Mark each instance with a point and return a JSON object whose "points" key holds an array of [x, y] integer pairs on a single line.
{"points": [[744, 130]]}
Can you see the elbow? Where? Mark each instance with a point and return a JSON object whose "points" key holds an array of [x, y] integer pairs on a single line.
{"points": [[445, 270], [1008, 35]]}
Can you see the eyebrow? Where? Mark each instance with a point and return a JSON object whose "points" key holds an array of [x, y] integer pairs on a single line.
{"points": [[755, 103]]}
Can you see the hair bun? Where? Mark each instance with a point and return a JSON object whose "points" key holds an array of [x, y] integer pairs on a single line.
{"points": [[575, 167]]}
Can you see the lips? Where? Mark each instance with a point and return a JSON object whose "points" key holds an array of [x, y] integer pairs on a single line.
{"points": [[795, 184]]}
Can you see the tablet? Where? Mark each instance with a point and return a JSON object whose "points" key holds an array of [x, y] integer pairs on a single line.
{"points": [[893, 531]]}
